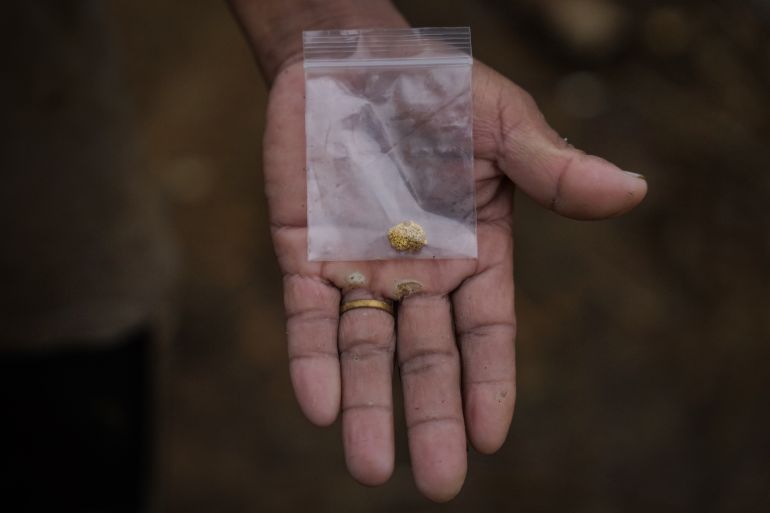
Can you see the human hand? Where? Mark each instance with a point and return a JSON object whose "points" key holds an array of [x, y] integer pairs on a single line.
{"points": [[454, 339]]}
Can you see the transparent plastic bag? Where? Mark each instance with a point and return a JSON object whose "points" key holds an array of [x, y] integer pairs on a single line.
{"points": [[388, 124]]}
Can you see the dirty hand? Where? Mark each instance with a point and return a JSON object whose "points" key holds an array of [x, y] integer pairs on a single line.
{"points": [[454, 339]]}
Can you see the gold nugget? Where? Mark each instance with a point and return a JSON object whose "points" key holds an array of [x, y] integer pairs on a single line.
{"points": [[407, 236]]}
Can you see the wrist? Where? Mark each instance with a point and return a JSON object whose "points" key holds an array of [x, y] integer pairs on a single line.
{"points": [[274, 27]]}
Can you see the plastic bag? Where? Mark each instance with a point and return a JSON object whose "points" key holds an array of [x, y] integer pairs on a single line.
{"points": [[388, 124]]}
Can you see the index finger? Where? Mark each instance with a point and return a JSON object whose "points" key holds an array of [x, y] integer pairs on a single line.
{"points": [[430, 374]]}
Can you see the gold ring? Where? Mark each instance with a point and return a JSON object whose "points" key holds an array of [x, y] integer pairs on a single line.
{"points": [[367, 303]]}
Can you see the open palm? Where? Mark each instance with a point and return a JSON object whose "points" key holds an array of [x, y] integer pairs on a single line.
{"points": [[454, 339]]}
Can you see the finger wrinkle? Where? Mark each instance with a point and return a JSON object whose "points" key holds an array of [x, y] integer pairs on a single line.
{"points": [[420, 296], [425, 361], [432, 421], [314, 315], [346, 408], [564, 168], [509, 124], [485, 330], [495, 211], [277, 226], [500, 109], [312, 355], [491, 381], [504, 223], [365, 349]]}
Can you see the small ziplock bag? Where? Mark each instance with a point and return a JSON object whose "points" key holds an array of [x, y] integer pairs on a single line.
{"points": [[388, 122]]}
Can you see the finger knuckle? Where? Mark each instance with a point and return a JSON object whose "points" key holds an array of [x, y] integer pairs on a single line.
{"points": [[427, 361], [366, 349], [426, 421]]}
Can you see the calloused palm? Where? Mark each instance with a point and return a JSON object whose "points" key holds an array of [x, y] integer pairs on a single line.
{"points": [[454, 339]]}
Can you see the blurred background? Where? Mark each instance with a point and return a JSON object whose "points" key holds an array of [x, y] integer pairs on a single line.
{"points": [[131, 169]]}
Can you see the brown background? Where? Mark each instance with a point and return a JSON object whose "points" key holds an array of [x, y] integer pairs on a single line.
{"points": [[644, 342]]}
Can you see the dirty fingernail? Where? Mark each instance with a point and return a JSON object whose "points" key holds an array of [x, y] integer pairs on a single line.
{"points": [[636, 175]]}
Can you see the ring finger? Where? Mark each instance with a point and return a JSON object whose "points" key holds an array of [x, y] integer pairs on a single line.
{"points": [[366, 345]]}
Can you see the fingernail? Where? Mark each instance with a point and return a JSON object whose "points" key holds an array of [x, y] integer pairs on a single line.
{"points": [[636, 175]]}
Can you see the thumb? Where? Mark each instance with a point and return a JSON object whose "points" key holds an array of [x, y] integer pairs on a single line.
{"points": [[510, 130]]}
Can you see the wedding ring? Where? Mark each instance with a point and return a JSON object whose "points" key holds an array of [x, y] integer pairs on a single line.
{"points": [[367, 303]]}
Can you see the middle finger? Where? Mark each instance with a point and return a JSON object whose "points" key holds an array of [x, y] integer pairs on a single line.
{"points": [[430, 374]]}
